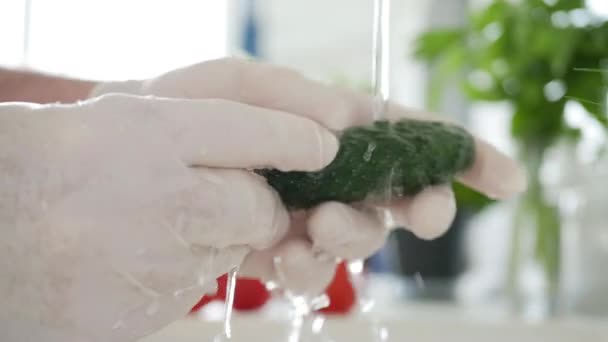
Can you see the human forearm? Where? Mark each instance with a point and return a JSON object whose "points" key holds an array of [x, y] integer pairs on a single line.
{"points": [[29, 86]]}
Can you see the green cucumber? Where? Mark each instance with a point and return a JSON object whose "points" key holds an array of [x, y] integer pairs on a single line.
{"points": [[379, 161]]}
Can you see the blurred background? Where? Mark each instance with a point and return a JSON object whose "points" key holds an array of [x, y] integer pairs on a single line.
{"points": [[529, 76]]}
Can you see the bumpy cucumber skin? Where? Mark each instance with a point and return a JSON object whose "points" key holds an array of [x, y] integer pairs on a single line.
{"points": [[380, 161]]}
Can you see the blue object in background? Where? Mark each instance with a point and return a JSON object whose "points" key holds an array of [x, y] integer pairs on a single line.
{"points": [[382, 261], [251, 30]]}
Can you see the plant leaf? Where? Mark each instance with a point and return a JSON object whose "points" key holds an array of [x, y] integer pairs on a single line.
{"points": [[433, 44]]}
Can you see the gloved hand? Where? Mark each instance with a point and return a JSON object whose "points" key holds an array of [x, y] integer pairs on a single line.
{"points": [[118, 213], [304, 261]]}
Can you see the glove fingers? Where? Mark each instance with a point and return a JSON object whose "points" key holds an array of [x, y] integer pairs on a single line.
{"points": [[234, 135], [301, 270], [264, 85], [228, 207], [345, 232], [428, 214], [217, 133], [258, 84], [493, 173], [271, 86], [259, 263], [292, 265]]}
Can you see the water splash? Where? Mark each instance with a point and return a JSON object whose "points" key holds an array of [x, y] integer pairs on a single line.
{"points": [[317, 324], [419, 281], [131, 280], [230, 291], [271, 285], [180, 293], [154, 305], [209, 254], [380, 91], [356, 267], [381, 334], [305, 324], [381, 58], [367, 156]]}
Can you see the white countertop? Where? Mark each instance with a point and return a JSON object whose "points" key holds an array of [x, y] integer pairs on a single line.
{"points": [[419, 322]]}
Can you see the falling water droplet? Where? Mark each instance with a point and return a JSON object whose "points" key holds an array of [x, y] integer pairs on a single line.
{"points": [[367, 156], [319, 302], [317, 324], [356, 267], [387, 218], [383, 333], [419, 281], [390, 184], [228, 307], [366, 304]]}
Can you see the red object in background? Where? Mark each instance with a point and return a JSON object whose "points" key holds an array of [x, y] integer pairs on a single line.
{"points": [[251, 294], [219, 295], [222, 281], [341, 292], [204, 301]]}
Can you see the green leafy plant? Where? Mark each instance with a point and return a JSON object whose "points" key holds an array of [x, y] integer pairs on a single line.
{"points": [[536, 55]]}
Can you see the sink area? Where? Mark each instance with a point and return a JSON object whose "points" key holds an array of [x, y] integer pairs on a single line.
{"points": [[413, 323], [192, 330]]}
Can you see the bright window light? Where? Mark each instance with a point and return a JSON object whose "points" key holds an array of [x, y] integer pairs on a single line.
{"points": [[598, 7], [117, 39], [12, 14]]}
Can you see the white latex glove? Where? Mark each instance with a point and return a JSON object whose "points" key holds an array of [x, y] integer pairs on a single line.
{"points": [[117, 214], [332, 230]]}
